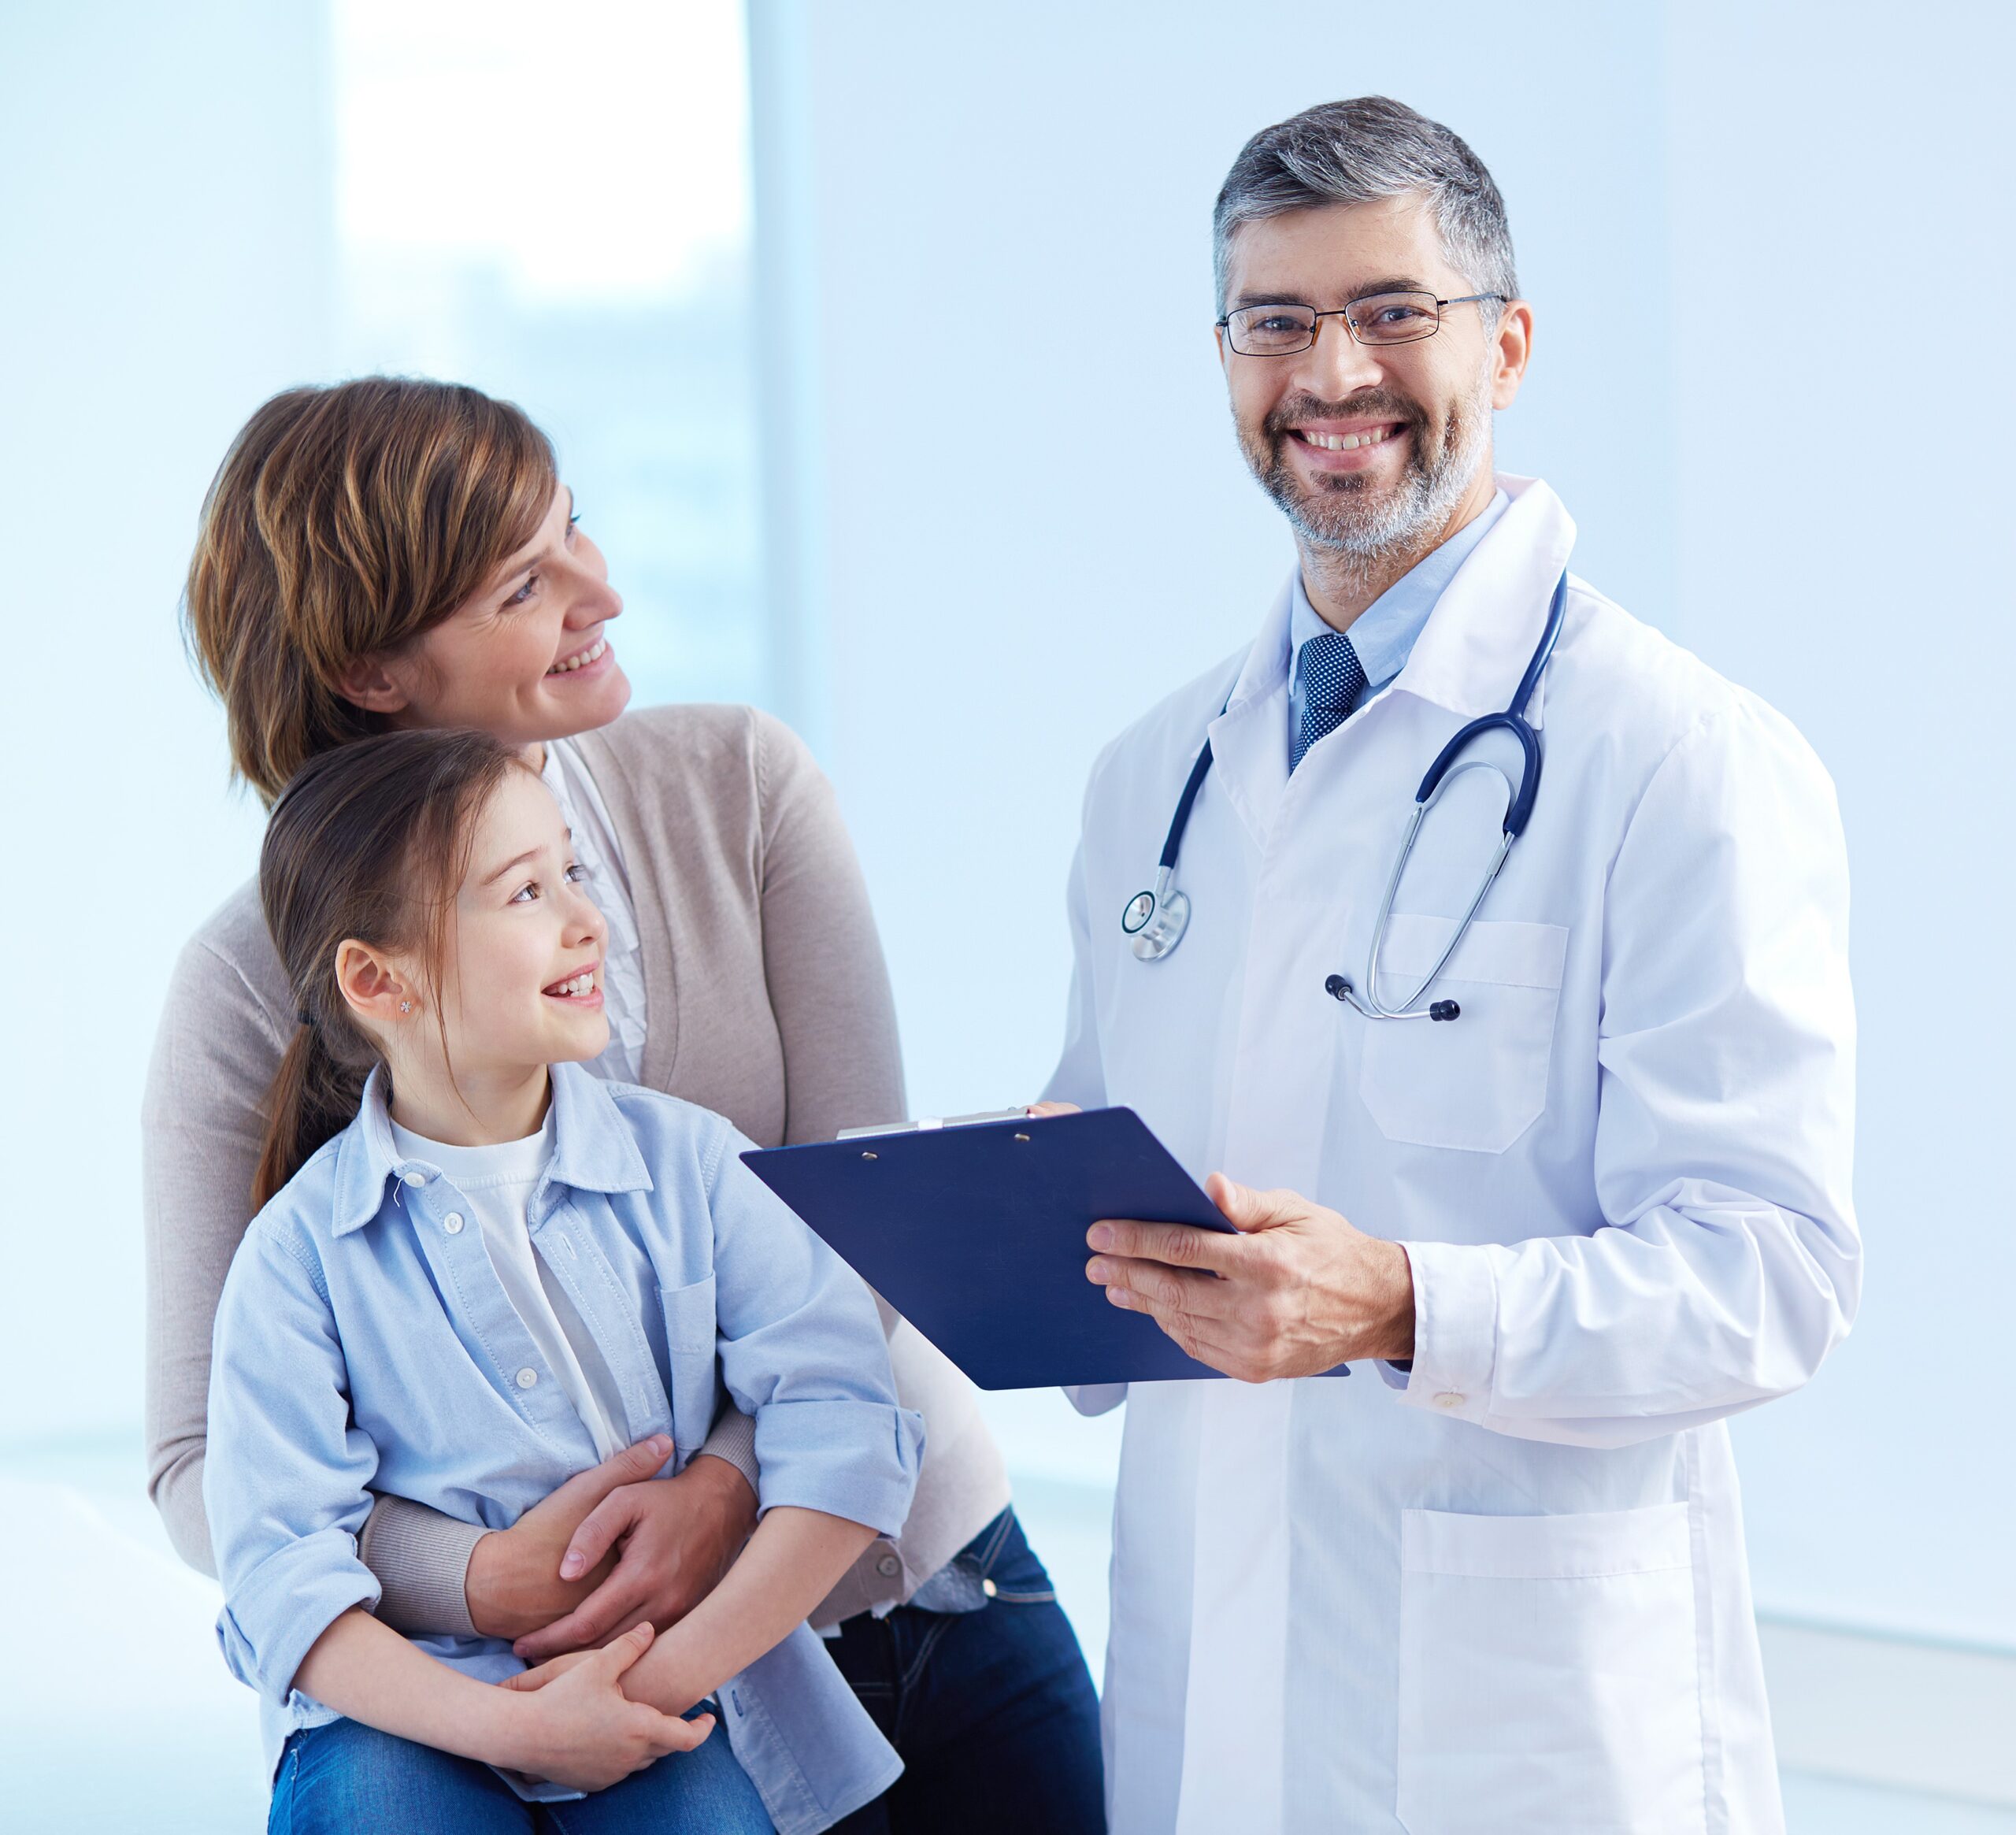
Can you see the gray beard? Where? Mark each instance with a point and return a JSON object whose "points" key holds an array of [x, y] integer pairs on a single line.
{"points": [[1362, 537]]}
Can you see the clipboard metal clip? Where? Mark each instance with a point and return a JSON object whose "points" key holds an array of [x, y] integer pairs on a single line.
{"points": [[924, 1124]]}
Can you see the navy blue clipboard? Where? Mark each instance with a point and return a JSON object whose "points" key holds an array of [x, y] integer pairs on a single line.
{"points": [[975, 1234]]}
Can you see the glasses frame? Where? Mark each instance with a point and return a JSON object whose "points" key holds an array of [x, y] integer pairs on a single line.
{"points": [[1344, 312]]}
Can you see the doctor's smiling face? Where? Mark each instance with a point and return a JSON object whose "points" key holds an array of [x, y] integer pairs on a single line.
{"points": [[1376, 453]]}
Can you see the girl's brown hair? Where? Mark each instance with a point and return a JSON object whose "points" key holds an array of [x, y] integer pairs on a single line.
{"points": [[342, 523], [372, 841]]}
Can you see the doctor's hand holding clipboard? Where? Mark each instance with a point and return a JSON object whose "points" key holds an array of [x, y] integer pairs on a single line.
{"points": [[1298, 1292]]}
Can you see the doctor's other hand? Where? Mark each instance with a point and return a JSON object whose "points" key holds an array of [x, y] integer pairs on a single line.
{"points": [[1299, 1290]]}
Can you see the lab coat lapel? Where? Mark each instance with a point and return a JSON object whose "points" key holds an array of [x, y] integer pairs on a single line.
{"points": [[1248, 740], [1479, 639]]}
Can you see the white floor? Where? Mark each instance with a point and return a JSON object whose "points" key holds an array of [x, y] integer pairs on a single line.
{"points": [[117, 1713]]}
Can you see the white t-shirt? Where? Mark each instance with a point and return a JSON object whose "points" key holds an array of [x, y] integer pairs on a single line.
{"points": [[499, 1182]]}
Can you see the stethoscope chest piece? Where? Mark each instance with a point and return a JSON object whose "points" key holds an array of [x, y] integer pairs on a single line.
{"points": [[1154, 921]]}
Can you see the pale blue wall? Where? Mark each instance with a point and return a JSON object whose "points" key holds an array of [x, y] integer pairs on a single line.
{"points": [[1015, 544], [1845, 548], [164, 190]]}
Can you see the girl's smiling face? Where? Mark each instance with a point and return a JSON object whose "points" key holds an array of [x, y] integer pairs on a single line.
{"points": [[521, 984], [525, 980]]}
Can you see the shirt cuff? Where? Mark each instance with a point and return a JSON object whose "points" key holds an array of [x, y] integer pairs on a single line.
{"points": [[1455, 1330], [734, 1438], [421, 1560], [273, 1615], [849, 1458]]}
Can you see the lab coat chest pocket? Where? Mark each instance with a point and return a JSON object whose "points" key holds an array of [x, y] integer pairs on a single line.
{"points": [[1549, 1676], [690, 1331], [1477, 1082]]}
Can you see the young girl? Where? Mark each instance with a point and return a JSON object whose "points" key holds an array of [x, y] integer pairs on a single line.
{"points": [[479, 1269]]}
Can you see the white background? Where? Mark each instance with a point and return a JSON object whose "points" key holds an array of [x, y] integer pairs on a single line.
{"points": [[1768, 252]]}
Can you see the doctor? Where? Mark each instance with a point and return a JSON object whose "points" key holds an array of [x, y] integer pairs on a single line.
{"points": [[1494, 1582]]}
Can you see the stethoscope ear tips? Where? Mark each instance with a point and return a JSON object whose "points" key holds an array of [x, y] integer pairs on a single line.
{"points": [[1338, 988]]}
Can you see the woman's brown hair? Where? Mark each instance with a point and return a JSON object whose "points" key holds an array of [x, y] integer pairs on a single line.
{"points": [[344, 523], [372, 841]]}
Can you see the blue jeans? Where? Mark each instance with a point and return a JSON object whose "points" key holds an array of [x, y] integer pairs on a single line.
{"points": [[993, 1710], [346, 1778]]}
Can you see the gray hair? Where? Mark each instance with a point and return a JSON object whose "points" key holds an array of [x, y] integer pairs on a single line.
{"points": [[1364, 152]]}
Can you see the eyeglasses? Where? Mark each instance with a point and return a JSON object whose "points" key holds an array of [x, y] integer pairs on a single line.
{"points": [[1282, 329]]}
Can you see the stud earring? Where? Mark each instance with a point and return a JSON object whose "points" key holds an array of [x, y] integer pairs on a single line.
{"points": [[406, 1007]]}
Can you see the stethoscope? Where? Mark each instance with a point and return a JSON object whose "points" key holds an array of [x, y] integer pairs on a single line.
{"points": [[1155, 920]]}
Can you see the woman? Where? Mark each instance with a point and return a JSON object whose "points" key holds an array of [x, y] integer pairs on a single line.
{"points": [[389, 554]]}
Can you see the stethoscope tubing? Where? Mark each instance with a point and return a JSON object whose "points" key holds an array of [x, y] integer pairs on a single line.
{"points": [[1154, 920]]}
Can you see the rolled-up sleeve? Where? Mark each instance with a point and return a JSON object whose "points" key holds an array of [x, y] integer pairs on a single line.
{"points": [[285, 1481], [801, 1351]]}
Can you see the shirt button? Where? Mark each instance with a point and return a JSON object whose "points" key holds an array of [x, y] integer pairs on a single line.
{"points": [[415, 1178], [528, 1377], [888, 1567], [452, 1223], [1449, 1399]]}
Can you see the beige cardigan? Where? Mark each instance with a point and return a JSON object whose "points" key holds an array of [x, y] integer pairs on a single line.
{"points": [[767, 1001]]}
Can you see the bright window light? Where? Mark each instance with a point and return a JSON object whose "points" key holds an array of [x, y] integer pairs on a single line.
{"points": [[554, 205]]}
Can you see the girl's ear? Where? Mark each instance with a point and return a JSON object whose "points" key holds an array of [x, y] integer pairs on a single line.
{"points": [[370, 683], [375, 986]]}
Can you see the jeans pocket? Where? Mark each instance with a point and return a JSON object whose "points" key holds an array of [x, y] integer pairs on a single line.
{"points": [[1014, 1575]]}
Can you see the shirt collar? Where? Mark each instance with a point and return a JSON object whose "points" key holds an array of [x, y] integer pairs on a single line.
{"points": [[1384, 634], [593, 1147]]}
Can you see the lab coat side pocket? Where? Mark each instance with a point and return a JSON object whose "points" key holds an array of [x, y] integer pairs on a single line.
{"points": [[1549, 1676], [690, 1330], [1476, 1083]]}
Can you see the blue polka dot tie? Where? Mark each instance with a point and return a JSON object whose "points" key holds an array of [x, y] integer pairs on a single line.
{"points": [[1333, 679]]}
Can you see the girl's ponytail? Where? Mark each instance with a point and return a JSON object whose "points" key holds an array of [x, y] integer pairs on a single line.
{"points": [[369, 842], [312, 1100]]}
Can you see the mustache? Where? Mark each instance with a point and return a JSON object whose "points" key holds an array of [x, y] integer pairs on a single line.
{"points": [[1286, 414]]}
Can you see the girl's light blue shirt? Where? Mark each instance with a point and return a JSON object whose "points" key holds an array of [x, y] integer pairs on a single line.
{"points": [[364, 1345]]}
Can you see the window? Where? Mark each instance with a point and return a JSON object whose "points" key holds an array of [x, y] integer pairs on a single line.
{"points": [[554, 205]]}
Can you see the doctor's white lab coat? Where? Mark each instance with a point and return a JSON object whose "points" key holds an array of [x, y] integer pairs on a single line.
{"points": [[1506, 1592]]}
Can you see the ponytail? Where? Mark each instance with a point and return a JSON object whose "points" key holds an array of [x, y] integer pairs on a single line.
{"points": [[369, 841], [312, 1100]]}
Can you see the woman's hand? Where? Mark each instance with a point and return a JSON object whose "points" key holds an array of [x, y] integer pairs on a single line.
{"points": [[672, 1539], [1041, 1110], [514, 1583], [577, 1726]]}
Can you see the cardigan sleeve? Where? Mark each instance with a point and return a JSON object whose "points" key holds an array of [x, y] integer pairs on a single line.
{"points": [[202, 1118], [822, 958]]}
